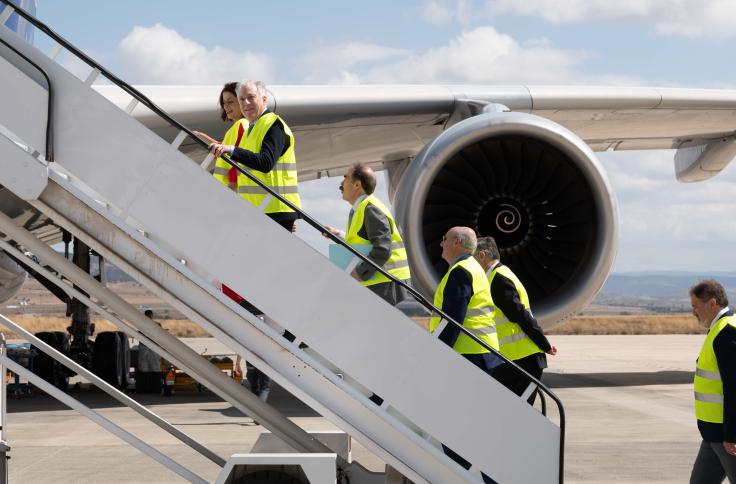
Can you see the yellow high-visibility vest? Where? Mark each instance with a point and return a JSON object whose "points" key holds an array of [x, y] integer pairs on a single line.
{"points": [[515, 343], [397, 264], [479, 316], [222, 167], [282, 178], [708, 385]]}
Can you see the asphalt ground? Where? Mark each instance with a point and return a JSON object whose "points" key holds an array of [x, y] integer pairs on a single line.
{"points": [[628, 406]]}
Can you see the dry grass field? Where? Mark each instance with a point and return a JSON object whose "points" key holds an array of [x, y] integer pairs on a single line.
{"points": [[35, 323], [621, 324], [630, 324], [599, 324]]}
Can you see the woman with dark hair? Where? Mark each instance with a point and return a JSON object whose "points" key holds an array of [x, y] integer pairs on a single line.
{"points": [[229, 111]]}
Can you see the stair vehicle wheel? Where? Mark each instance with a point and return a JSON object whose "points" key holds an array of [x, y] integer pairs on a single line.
{"points": [[125, 359], [45, 366], [62, 373], [107, 358]]}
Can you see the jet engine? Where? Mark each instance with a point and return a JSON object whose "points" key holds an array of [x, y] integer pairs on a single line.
{"points": [[534, 186]]}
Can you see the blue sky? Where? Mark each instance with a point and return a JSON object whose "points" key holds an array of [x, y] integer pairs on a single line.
{"points": [[665, 225]]}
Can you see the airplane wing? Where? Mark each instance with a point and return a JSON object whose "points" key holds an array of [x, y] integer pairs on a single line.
{"points": [[515, 162], [337, 126]]}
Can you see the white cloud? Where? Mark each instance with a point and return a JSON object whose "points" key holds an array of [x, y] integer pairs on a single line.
{"points": [[440, 12], [691, 18], [160, 55], [482, 55], [331, 64], [663, 220]]}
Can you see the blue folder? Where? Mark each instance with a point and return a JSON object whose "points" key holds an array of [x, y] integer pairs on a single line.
{"points": [[341, 257]]}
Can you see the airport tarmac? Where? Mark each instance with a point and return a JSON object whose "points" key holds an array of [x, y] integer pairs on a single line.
{"points": [[628, 405]]}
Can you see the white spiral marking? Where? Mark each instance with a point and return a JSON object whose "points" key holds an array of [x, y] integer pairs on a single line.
{"points": [[508, 219]]}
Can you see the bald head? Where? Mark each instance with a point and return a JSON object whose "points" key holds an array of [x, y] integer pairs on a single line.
{"points": [[467, 238], [458, 241]]}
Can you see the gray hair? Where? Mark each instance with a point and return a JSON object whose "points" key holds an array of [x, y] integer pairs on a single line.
{"points": [[488, 245], [467, 240], [258, 86]]}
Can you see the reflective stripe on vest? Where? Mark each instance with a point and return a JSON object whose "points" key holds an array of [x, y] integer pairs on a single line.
{"points": [[282, 178], [481, 312], [708, 387], [481, 331], [397, 264], [708, 375], [222, 167], [479, 316], [515, 344], [257, 190], [706, 397]]}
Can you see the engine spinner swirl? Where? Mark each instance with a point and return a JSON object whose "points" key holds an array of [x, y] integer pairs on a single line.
{"points": [[506, 219]]}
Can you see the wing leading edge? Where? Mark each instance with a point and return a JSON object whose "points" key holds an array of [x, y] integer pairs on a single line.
{"points": [[379, 125]]}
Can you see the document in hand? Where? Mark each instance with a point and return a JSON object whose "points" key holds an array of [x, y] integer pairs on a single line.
{"points": [[342, 257]]}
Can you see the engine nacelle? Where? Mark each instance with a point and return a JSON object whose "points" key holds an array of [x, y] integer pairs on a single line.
{"points": [[534, 186]]}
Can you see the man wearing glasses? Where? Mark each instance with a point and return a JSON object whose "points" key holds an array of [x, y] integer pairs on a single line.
{"points": [[465, 296]]}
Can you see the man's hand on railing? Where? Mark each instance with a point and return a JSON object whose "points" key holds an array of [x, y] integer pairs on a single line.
{"points": [[207, 138], [218, 149], [333, 231]]}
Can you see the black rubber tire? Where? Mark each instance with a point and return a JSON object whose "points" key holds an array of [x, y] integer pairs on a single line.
{"points": [[62, 373], [268, 477], [107, 358], [43, 364], [124, 359], [48, 368]]}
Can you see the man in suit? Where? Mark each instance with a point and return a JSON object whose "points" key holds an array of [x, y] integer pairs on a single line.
{"points": [[370, 223], [464, 295], [520, 337], [267, 152], [715, 385]]}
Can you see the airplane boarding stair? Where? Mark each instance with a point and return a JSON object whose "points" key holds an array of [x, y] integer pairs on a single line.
{"points": [[135, 198]]}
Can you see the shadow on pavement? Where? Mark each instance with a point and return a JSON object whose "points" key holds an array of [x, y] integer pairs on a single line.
{"points": [[94, 398], [622, 379]]}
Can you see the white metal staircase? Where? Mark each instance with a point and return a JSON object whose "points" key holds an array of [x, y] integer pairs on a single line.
{"points": [[152, 211]]}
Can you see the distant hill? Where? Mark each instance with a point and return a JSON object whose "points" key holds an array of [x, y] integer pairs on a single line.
{"points": [[659, 284], [658, 291]]}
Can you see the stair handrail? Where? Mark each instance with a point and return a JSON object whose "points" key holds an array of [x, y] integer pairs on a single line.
{"points": [[49, 151]]}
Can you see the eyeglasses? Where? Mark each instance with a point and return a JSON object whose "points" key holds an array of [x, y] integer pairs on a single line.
{"points": [[444, 237]]}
